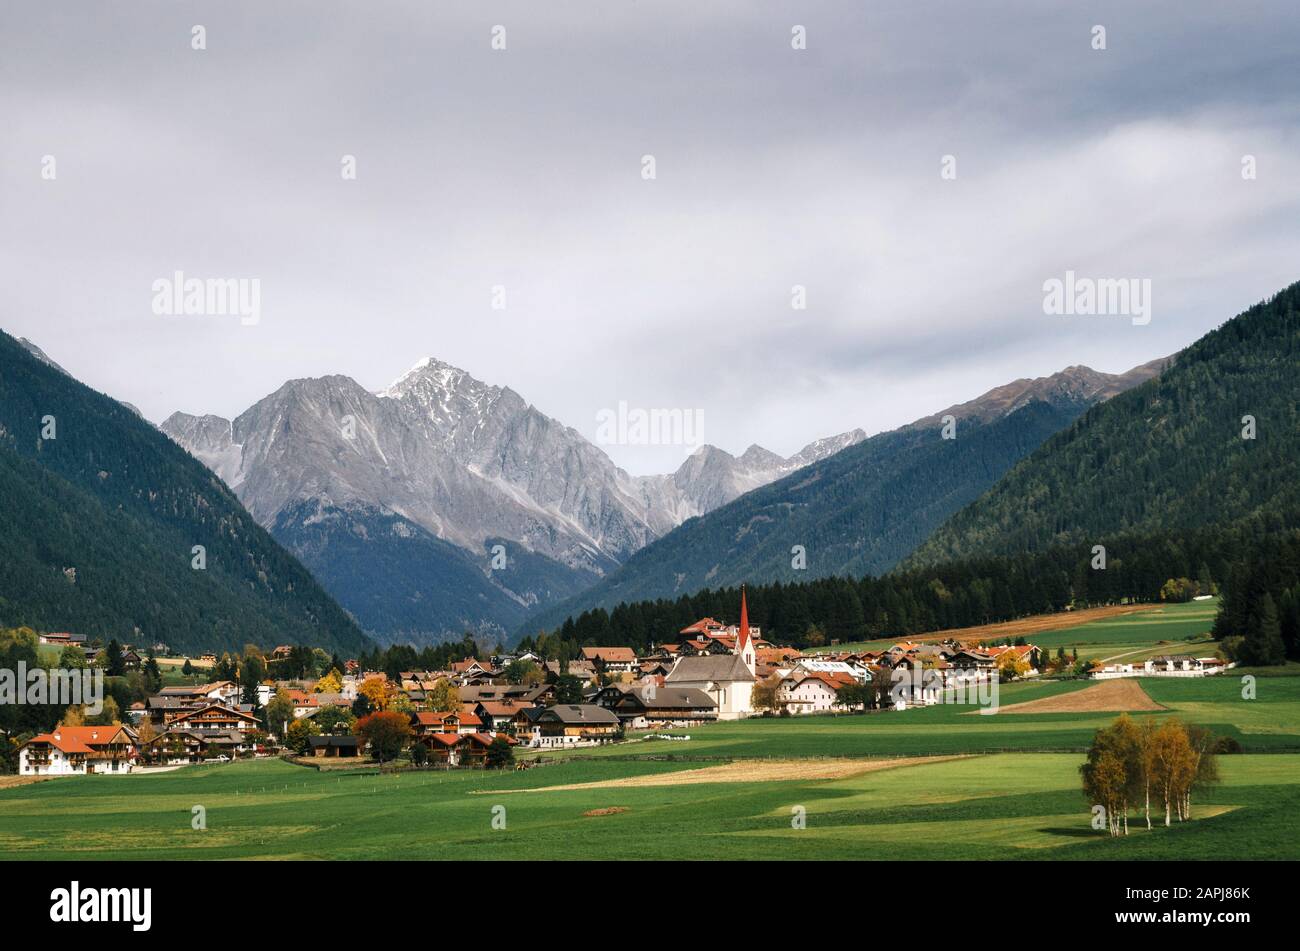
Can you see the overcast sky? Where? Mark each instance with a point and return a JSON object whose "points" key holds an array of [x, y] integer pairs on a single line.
{"points": [[523, 168]]}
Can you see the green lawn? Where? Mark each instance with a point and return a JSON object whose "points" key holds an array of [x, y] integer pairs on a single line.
{"points": [[989, 807]]}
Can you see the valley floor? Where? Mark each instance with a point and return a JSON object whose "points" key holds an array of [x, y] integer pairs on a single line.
{"points": [[913, 785]]}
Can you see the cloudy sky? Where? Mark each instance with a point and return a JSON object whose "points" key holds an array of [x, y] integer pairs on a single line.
{"points": [[522, 168]]}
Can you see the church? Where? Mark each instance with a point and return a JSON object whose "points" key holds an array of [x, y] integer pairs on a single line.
{"points": [[728, 679]]}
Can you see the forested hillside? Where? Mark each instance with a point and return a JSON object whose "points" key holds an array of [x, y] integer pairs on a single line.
{"points": [[855, 513], [98, 523], [1169, 454]]}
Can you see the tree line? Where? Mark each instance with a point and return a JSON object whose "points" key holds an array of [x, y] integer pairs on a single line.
{"points": [[1171, 566]]}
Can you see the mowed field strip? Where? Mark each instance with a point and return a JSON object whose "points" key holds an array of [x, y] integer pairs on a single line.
{"points": [[748, 771]]}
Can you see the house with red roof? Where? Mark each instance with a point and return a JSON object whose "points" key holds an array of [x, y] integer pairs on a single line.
{"points": [[78, 750]]}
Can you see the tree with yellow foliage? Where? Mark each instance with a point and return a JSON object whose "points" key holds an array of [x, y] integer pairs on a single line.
{"points": [[331, 682], [444, 697], [376, 692], [1011, 666]]}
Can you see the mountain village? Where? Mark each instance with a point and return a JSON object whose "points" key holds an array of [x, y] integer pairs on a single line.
{"points": [[456, 717]]}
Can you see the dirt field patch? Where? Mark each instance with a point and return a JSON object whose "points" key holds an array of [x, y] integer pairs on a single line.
{"points": [[7, 782], [607, 811], [1037, 624], [1109, 696], [748, 771]]}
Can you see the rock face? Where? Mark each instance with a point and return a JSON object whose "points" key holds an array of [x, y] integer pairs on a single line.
{"points": [[465, 462]]}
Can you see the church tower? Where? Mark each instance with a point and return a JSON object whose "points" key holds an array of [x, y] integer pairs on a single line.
{"points": [[745, 643]]}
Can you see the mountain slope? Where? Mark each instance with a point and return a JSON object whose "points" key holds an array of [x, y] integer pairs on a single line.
{"points": [[861, 510], [97, 526], [436, 465], [1165, 455]]}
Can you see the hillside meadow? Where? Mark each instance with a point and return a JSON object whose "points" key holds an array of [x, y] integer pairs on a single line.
{"points": [[1134, 632]]}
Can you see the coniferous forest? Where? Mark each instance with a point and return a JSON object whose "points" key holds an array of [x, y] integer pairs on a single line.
{"points": [[100, 514]]}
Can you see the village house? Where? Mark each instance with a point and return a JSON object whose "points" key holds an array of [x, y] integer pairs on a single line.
{"points": [[220, 691], [462, 749], [63, 639], [647, 707], [427, 722], [813, 691], [215, 717], [496, 715], [79, 750], [568, 724], [181, 746], [610, 660], [525, 727]]}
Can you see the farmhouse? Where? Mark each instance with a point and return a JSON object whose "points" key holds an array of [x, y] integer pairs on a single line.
{"points": [[76, 750], [655, 707], [215, 716], [194, 746], [813, 691], [611, 660], [426, 723], [569, 723]]}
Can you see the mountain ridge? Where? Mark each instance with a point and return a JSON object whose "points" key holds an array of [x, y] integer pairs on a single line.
{"points": [[860, 510]]}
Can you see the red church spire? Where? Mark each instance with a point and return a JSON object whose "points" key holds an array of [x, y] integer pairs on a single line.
{"points": [[742, 638]]}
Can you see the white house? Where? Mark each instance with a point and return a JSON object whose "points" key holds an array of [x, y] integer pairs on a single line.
{"points": [[78, 750], [813, 692]]}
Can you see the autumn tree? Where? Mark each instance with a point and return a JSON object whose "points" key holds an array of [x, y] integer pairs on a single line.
{"points": [[330, 683], [387, 732], [763, 696], [376, 692], [1170, 758], [279, 712], [444, 697], [145, 735], [1011, 666], [299, 732]]}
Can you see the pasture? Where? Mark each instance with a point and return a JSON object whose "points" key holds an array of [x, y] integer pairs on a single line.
{"points": [[1004, 806]]}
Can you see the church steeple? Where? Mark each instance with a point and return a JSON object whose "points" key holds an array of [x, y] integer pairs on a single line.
{"points": [[744, 643]]}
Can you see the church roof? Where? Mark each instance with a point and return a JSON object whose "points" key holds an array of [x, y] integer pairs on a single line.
{"points": [[715, 667]]}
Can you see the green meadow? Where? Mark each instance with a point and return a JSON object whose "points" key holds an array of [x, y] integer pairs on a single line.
{"points": [[1024, 803]]}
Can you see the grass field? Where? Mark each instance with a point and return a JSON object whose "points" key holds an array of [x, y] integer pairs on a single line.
{"points": [[857, 805], [1023, 805], [1136, 631]]}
